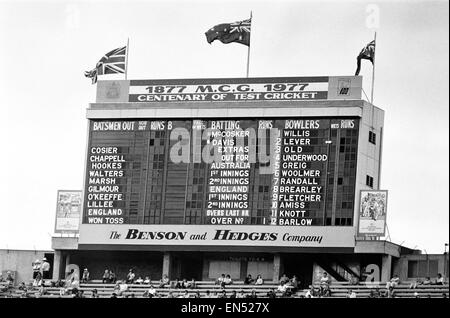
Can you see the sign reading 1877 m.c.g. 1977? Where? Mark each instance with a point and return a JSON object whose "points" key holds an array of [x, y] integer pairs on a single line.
{"points": [[214, 90]]}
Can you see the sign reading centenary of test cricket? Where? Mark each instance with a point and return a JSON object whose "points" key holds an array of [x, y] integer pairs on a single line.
{"points": [[372, 213], [68, 211], [242, 89]]}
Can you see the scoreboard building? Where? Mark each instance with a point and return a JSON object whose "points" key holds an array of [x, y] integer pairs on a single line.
{"points": [[197, 177]]}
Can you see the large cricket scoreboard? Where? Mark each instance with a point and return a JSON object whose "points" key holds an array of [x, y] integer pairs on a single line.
{"points": [[221, 171]]}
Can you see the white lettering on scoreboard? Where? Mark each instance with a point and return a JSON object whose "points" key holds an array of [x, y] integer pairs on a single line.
{"points": [[106, 167]]}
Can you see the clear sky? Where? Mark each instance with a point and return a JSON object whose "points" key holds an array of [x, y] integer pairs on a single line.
{"points": [[47, 45]]}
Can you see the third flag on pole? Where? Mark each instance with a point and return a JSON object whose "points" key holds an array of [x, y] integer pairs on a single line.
{"points": [[367, 53]]}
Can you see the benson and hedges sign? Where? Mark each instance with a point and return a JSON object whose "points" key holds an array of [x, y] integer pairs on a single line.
{"points": [[161, 234]]}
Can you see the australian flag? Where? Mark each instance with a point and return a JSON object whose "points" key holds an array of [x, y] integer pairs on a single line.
{"points": [[111, 63], [367, 53], [230, 32]]}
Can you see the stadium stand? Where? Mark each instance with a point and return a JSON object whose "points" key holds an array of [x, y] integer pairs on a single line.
{"points": [[338, 290]]}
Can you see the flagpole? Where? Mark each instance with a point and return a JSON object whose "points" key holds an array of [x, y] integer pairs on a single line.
{"points": [[126, 59], [248, 52], [373, 68]]}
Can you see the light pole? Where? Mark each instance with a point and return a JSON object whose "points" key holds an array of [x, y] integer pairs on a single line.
{"points": [[445, 261]]}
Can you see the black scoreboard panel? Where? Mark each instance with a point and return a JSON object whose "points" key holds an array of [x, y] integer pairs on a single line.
{"points": [[268, 171]]}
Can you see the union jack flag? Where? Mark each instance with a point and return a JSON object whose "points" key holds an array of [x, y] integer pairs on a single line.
{"points": [[112, 62], [230, 32], [367, 53]]}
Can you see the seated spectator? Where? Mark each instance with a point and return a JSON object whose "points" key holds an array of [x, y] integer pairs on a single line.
{"points": [[22, 286], [197, 294], [284, 279], [444, 295], [395, 280], [72, 280], [259, 280], [220, 280], [374, 293], [241, 294], [271, 294], [252, 294], [427, 281], [147, 280], [354, 280], [325, 291], [351, 294], [282, 288], [248, 280], [325, 279], [120, 288], [223, 294], [184, 284], [177, 284], [95, 293], [152, 291], [414, 284], [440, 279], [79, 294], [139, 280], [164, 281], [207, 294], [294, 284], [113, 295], [233, 294], [105, 277], [85, 276], [130, 277], [192, 284], [38, 280], [227, 280], [383, 294], [416, 295], [311, 293], [9, 278], [170, 294], [112, 277], [42, 290]]}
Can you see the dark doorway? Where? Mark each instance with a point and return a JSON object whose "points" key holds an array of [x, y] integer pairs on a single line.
{"points": [[300, 265], [50, 259], [187, 265]]}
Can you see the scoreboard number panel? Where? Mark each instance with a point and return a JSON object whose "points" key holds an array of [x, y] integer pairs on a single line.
{"points": [[274, 172]]}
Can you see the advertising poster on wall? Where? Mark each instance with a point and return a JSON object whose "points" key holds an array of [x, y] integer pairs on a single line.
{"points": [[68, 211], [372, 212]]}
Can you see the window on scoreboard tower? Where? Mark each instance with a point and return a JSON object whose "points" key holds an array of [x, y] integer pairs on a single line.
{"points": [[369, 181], [372, 137]]}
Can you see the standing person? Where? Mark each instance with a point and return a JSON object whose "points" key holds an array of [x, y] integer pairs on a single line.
{"points": [[112, 277], [105, 278], [85, 277], [45, 267], [36, 268], [130, 277]]}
